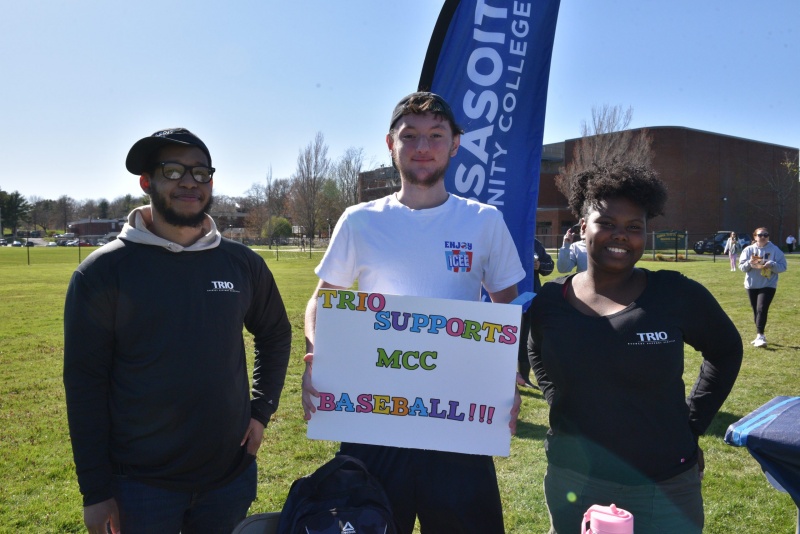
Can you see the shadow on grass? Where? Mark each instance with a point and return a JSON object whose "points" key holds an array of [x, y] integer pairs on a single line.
{"points": [[771, 346], [531, 393], [721, 423], [526, 430]]}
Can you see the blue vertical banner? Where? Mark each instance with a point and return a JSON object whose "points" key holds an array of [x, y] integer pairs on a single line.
{"points": [[490, 59]]}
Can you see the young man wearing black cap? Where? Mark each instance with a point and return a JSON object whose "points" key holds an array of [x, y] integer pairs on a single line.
{"points": [[396, 245], [164, 432]]}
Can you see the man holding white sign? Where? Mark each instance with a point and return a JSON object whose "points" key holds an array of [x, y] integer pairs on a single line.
{"points": [[423, 242]]}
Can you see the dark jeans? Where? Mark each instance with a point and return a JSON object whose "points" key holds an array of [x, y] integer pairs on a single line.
{"points": [[149, 509], [673, 506], [450, 492], [760, 299]]}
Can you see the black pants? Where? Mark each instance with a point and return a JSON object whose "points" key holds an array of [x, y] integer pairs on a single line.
{"points": [[760, 299], [451, 493]]}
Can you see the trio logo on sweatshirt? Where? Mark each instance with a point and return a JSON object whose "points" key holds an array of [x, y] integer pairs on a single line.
{"points": [[651, 338], [217, 285]]}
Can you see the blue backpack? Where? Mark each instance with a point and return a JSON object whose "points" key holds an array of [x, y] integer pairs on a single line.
{"points": [[341, 497]]}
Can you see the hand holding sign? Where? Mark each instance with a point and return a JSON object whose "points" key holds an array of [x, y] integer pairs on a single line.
{"points": [[308, 391]]}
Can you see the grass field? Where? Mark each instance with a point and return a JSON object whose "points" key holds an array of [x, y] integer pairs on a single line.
{"points": [[39, 491]]}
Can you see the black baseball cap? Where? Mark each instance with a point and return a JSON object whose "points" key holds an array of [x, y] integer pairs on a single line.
{"points": [[424, 102], [141, 153]]}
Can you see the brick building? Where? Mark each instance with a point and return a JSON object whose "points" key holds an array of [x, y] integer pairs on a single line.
{"points": [[715, 182], [95, 227], [378, 183]]}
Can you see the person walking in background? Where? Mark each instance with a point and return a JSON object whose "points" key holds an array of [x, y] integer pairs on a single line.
{"points": [[164, 430], [761, 262], [790, 241], [621, 428], [572, 253], [542, 266], [733, 249]]}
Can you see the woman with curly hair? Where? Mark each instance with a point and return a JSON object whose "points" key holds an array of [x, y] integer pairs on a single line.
{"points": [[621, 430]]}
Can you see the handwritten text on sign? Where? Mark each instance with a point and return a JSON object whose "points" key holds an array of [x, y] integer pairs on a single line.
{"points": [[443, 371]]}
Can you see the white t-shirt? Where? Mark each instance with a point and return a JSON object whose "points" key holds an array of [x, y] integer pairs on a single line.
{"points": [[442, 252]]}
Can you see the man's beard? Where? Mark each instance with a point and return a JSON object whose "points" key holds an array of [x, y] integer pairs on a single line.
{"points": [[159, 203], [411, 177]]}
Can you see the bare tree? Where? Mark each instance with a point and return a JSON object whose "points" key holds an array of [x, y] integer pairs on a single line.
{"points": [[225, 211], [254, 203], [279, 196], [347, 170], [264, 202], [331, 205], [779, 185], [66, 210], [44, 213], [88, 208], [313, 167], [120, 207], [36, 214], [606, 141]]}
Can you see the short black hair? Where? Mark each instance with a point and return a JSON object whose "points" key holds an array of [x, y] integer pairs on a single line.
{"points": [[587, 189]]}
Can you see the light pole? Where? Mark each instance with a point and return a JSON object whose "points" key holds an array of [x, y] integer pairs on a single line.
{"points": [[723, 206]]}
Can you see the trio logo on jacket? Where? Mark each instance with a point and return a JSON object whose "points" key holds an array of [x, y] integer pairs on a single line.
{"points": [[458, 255], [651, 338], [227, 287]]}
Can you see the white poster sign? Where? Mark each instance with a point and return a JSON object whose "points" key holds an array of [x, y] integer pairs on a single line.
{"points": [[414, 372]]}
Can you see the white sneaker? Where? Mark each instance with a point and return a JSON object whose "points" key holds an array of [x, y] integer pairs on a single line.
{"points": [[760, 341]]}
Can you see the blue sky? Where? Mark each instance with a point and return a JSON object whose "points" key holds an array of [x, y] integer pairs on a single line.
{"points": [[84, 79]]}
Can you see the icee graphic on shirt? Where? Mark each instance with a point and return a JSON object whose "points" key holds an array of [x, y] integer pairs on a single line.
{"points": [[458, 255]]}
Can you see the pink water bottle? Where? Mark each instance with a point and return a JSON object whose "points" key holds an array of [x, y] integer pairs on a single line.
{"points": [[607, 520]]}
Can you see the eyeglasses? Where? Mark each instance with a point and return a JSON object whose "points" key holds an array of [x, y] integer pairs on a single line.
{"points": [[175, 171], [762, 235]]}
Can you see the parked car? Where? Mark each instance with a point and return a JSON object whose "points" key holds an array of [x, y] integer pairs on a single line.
{"points": [[715, 244], [3, 242], [51, 244], [29, 243]]}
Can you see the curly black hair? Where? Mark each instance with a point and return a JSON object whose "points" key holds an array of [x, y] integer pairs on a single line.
{"points": [[587, 189]]}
